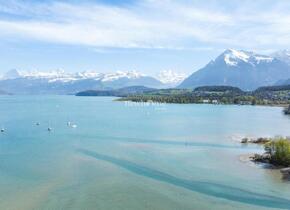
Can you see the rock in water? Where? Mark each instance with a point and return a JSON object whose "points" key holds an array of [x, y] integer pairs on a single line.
{"points": [[286, 173], [287, 111]]}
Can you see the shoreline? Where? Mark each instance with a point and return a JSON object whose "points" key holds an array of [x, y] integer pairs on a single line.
{"points": [[249, 158], [256, 105], [250, 161]]}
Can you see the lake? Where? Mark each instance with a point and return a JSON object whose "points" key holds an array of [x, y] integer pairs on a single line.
{"points": [[135, 156]]}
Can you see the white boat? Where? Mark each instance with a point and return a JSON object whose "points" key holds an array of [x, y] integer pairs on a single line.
{"points": [[2, 130], [71, 124], [74, 126]]}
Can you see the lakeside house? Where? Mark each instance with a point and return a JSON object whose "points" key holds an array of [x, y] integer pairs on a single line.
{"points": [[205, 101], [214, 101]]}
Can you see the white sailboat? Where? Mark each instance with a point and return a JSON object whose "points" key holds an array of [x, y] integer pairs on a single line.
{"points": [[71, 124]]}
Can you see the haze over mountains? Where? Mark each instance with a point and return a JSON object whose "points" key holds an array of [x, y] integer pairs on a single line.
{"points": [[283, 55], [244, 69]]}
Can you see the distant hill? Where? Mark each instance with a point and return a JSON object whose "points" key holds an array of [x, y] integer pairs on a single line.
{"points": [[242, 69], [218, 89], [272, 95], [119, 92], [274, 88], [283, 82]]}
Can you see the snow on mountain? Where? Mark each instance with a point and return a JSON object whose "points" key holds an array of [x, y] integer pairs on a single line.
{"points": [[234, 57], [171, 77], [283, 55], [243, 69], [60, 75], [121, 74], [60, 82]]}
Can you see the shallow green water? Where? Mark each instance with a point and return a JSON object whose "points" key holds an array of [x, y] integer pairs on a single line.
{"points": [[128, 156]]}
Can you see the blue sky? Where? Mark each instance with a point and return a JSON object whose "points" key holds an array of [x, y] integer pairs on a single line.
{"points": [[146, 35]]}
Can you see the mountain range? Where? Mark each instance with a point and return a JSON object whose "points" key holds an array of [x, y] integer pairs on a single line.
{"points": [[244, 69], [59, 82]]}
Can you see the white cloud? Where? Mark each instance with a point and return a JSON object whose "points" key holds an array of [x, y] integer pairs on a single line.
{"points": [[149, 24]]}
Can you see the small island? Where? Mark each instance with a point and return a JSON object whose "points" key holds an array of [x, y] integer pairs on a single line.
{"points": [[277, 153]]}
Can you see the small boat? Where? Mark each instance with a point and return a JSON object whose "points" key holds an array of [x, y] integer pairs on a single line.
{"points": [[37, 123], [73, 126], [49, 128], [2, 130]]}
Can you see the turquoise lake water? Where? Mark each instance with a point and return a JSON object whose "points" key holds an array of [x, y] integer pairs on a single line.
{"points": [[135, 156]]}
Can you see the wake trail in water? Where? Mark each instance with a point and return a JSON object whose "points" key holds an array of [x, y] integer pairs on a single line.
{"points": [[166, 142], [208, 188]]}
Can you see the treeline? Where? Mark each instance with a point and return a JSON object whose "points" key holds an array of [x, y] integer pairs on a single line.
{"points": [[219, 89], [217, 94], [186, 99], [274, 88], [122, 92]]}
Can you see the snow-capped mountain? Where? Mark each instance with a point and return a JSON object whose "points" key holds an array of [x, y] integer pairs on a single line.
{"points": [[61, 82], [171, 78], [235, 57], [243, 69], [283, 55], [60, 75]]}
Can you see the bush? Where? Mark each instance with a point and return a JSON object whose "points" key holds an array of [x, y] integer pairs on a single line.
{"points": [[279, 151]]}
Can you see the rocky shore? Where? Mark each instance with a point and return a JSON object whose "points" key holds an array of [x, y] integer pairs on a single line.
{"points": [[286, 173], [261, 140], [272, 156], [287, 110]]}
